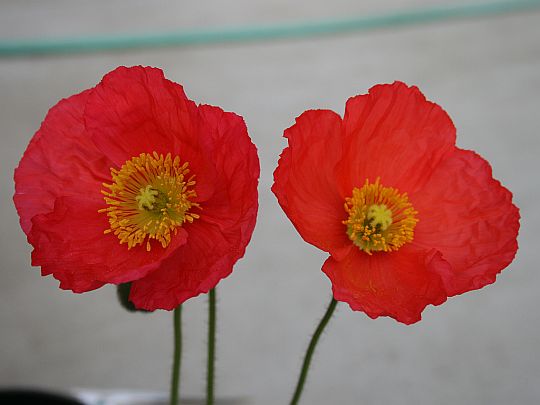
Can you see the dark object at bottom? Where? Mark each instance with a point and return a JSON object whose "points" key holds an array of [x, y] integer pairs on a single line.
{"points": [[22, 396]]}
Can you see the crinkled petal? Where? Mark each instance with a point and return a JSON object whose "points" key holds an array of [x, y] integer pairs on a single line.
{"points": [[137, 110], [469, 217], [305, 180], [194, 269], [398, 284], [220, 236], [233, 205], [396, 134], [59, 161], [70, 244]]}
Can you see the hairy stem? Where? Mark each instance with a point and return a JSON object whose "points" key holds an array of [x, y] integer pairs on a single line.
{"points": [[211, 347], [310, 350], [175, 381]]}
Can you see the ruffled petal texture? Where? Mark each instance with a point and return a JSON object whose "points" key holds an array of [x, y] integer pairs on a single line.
{"points": [[195, 268], [469, 217], [50, 167], [220, 236], [396, 134], [70, 244], [467, 226], [304, 181], [134, 111], [398, 284], [137, 110], [58, 194]]}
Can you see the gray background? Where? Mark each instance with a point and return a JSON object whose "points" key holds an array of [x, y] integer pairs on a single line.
{"points": [[479, 348]]}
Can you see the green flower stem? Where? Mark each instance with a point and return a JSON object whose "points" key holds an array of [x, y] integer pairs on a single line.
{"points": [[175, 382], [311, 349], [211, 347]]}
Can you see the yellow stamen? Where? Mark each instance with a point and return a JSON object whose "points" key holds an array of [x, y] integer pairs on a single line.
{"points": [[149, 197], [380, 218]]}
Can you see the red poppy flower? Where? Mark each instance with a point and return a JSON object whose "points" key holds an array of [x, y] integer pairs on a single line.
{"points": [[408, 218], [131, 181]]}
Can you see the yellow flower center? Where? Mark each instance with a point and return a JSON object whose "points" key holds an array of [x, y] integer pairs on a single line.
{"points": [[380, 218], [149, 198]]}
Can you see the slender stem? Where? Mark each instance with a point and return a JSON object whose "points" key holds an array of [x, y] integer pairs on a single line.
{"points": [[175, 382], [211, 347], [311, 349]]}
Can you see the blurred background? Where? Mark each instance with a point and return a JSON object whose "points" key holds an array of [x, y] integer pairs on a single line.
{"points": [[479, 348]]}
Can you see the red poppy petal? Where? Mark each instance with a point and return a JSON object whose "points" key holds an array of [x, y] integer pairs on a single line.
{"points": [[137, 110], [60, 160], [305, 180], [396, 134], [195, 269], [469, 217], [69, 243], [220, 236], [398, 284], [234, 203]]}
